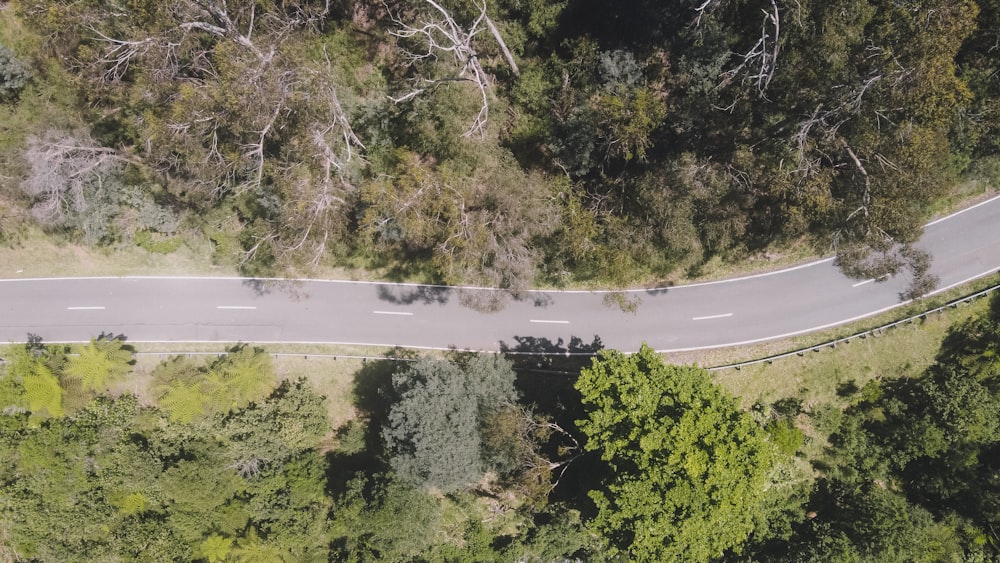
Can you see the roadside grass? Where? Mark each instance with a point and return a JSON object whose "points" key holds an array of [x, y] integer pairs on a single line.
{"points": [[832, 375], [732, 355], [33, 254], [331, 377]]}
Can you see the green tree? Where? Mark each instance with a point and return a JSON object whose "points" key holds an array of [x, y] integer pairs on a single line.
{"points": [[43, 396], [383, 519], [433, 431], [100, 363], [180, 387], [688, 468], [243, 376], [13, 75], [215, 548]]}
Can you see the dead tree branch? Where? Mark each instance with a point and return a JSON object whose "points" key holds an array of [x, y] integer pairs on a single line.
{"points": [[445, 36], [761, 60]]}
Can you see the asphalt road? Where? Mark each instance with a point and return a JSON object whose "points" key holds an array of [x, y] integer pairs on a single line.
{"points": [[736, 311]]}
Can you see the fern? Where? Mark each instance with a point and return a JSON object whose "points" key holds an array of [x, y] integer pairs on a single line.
{"points": [[100, 363], [244, 376], [134, 503], [184, 401], [43, 392], [215, 548]]}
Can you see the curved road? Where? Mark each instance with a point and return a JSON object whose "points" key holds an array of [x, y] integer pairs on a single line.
{"points": [[801, 299]]}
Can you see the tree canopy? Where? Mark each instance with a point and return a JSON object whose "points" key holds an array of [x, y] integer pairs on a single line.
{"points": [[433, 431], [502, 143], [687, 468]]}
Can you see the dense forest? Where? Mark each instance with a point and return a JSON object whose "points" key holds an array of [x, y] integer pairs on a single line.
{"points": [[475, 458], [503, 143]]}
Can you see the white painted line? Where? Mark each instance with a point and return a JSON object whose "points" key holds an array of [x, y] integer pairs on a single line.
{"points": [[401, 313], [85, 308], [237, 307], [827, 325], [880, 278], [549, 322], [722, 316], [960, 211], [410, 284], [473, 287]]}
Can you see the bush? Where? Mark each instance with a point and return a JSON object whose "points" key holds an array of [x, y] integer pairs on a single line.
{"points": [[156, 243], [13, 75]]}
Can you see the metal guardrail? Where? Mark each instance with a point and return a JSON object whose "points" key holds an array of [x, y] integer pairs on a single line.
{"points": [[860, 335], [303, 355]]}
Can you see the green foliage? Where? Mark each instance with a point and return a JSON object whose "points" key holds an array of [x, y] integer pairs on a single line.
{"points": [[99, 364], [785, 436], [13, 75], [910, 471], [433, 431], [183, 401], [383, 520], [189, 392], [242, 376], [42, 393], [215, 548], [688, 469], [158, 245]]}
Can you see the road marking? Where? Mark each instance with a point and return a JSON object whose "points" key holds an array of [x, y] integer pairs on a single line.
{"points": [[549, 322], [722, 316], [237, 307], [860, 283], [401, 313], [85, 308], [960, 211]]}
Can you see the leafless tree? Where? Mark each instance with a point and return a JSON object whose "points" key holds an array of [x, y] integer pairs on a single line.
{"points": [[235, 20], [61, 165], [439, 34], [760, 61]]}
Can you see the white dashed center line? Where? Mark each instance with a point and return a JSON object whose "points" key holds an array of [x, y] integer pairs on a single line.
{"points": [[550, 322], [722, 316], [237, 307], [401, 313], [860, 283], [85, 308]]}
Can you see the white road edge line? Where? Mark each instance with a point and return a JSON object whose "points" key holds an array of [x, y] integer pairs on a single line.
{"points": [[85, 308], [455, 287], [401, 313], [705, 318], [237, 307], [960, 211], [419, 347], [827, 325], [549, 322]]}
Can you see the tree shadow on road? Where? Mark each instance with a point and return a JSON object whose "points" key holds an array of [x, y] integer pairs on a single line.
{"points": [[542, 353], [537, 298], [294, 289], [408, 295]]}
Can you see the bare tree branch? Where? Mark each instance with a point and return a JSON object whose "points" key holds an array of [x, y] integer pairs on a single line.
{"points": [[444, 36]]}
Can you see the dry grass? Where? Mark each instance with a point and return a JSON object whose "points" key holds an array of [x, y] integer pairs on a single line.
{"points": [[331, 377], [732, 355], [35, 255], [816, 377]]}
